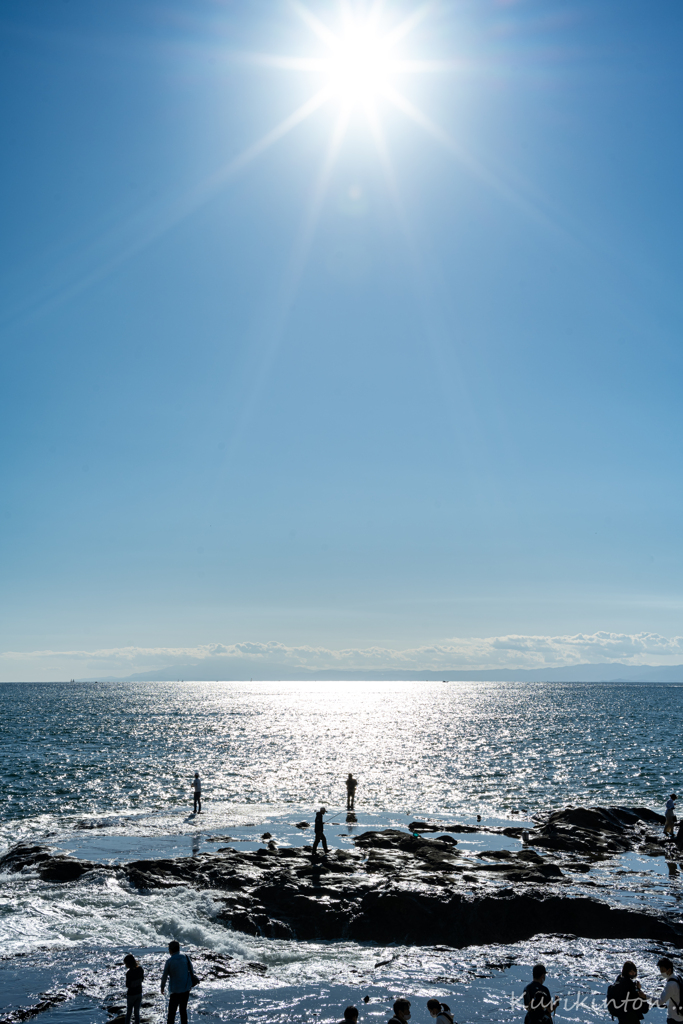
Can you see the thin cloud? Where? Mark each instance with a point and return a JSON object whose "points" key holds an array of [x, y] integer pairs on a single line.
{"points": [[459, 653]]}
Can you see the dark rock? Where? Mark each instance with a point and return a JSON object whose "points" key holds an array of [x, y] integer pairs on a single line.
{"points": [[442, 860], [23, 856], [596, 819], [47, 1001], [423, 826], [529, 855], [148, 880], [63, 869], [302, 824], [550, 870], [645, 814], [396, 886], [467, 829], [565, 844], [399, 916], [594, 831], [210, 965], [386, 839]]}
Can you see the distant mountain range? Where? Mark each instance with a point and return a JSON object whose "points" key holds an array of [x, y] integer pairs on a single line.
{"points": [[612, 672]]}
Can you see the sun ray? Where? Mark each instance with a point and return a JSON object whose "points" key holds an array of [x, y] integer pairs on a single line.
{"points": [[478, 169], [360, 71], [450, 377], [367, 69], [375, 12], [283, 128], [150, 224], [283, 62], [290, 282], [406, 26], [318, 27], [449, 371]]}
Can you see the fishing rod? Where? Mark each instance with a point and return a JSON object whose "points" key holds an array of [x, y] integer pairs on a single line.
{"points": [[331, 815]]}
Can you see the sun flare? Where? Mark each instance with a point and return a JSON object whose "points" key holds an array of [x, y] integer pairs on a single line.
{"points": [[356, 67], [359, 67]]}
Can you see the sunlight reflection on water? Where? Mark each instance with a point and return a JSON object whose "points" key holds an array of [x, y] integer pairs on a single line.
{"points": [[459, 748], [79, 756]]}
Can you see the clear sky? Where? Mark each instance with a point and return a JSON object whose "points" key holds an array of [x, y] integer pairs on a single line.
{"points": [[325, 334]]}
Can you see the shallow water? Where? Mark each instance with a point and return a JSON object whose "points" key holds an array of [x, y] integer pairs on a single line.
{"points": [[480, 984], [104, 771]]}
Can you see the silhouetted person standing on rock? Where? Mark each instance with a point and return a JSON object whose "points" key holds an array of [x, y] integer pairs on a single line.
{"points": [[537, 999], [134, 978], [319, 830], [178, 973], [197, 787], [350, 1015], [441, 1011], [672, 993], [625, 998], [670, 816], [401, 1012], [351, 784]]}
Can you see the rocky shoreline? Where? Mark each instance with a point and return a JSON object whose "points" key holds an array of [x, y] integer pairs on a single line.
{"points": [[412, 887], [209, 965]]}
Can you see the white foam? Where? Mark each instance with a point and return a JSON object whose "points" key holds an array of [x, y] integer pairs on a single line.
{"points": [[98, 910]]}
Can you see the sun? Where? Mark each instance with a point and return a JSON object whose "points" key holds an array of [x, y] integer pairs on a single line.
{"points": [[360, 58], [359, 67]]}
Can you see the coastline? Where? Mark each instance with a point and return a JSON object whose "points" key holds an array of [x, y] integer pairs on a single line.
{"points": [[403, 887]]}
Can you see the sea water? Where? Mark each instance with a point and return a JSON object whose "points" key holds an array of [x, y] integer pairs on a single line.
{"points": [[105, 770]]}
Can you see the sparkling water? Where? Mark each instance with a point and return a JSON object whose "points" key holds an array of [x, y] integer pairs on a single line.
{"points": [[105, 771]]}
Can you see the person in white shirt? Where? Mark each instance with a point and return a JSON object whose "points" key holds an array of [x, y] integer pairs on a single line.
{"points": [[178, 973], [671, 996], [669, 817], [197, 786], [441, 1011]]}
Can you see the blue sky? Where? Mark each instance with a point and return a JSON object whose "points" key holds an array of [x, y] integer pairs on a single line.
{"points": [[376, 397]]}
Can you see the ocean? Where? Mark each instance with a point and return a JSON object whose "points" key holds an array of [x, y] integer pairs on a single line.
{"points": [[104, 771]]}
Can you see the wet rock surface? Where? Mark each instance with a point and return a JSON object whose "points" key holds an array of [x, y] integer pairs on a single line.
{"points": [[600, 831], [49, 1000], [208, 965], [408, 888]]}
